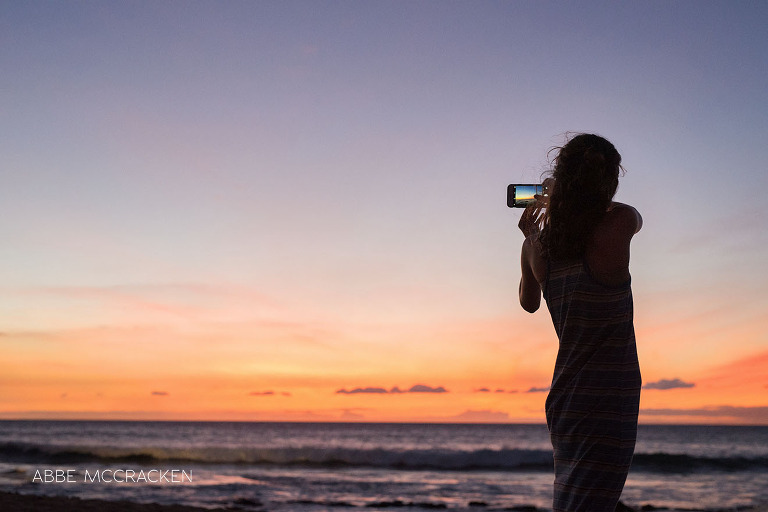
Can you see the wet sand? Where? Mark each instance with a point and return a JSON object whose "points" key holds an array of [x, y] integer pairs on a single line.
{"points": [[12, 502]]}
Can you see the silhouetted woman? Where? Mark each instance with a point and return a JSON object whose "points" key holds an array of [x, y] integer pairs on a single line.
{"points": [[577, 254]]}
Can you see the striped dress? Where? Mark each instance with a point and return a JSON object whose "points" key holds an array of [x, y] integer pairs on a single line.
{"points": [[593, 403]]}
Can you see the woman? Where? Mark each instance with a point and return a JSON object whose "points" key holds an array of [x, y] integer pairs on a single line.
{"points": [[577, 254]]}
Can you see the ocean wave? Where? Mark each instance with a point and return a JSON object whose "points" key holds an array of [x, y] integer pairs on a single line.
{"points": [[682, 463], [312, 456], [337, 457]]}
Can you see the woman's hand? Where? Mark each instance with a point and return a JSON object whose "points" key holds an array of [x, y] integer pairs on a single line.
{"points": [[530, 220], [531, 217], [547, 187]]}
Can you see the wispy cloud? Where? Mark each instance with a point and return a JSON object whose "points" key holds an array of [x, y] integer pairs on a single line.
{"points": [[757, 414], [497, 390], [418, 388], [351, 415], [483, 416], [269, 392], [740, 225], [751, 367], [665, 384], [160, 393], [538, 390]]}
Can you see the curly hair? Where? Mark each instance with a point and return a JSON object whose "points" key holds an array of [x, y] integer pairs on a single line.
{"points": [[586, 176]]}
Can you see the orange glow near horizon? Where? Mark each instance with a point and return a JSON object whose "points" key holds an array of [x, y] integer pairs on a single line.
{"points": [[265, 371]]}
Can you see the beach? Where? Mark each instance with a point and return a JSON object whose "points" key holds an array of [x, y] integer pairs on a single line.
{"points": [[13, 502]]}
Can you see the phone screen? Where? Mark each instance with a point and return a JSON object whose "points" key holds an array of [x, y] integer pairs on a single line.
{"points": [[520, 196]]}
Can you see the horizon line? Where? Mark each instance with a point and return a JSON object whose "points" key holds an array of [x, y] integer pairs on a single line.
{"points": [[365, 422]]}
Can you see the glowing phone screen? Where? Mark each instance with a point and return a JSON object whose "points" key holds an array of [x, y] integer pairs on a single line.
{"points": [[524, 194]]}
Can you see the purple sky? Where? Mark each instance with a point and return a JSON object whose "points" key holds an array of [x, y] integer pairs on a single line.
{"points": [[350, 159]]}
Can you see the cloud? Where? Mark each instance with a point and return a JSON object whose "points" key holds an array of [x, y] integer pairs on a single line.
{"points": [[355, 391], [269, 392], [665, 384], [538, 390], [484, 416], [160, 393], [497, 390], [418, 388], [757, 414], [421, 388]]}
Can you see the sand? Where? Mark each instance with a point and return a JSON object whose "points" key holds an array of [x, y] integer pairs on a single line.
{"points": [[12, 502]]}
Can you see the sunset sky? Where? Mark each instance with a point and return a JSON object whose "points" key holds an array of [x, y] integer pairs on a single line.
{"points": [[297, 210]]}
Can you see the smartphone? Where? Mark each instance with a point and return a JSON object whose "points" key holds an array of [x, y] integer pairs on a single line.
{"points": [[520, 196]]}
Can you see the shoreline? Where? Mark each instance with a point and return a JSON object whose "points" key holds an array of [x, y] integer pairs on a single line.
{"points": [[15, 502]]}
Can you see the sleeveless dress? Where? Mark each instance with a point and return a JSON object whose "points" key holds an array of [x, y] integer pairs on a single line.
{"points": [[593, 402]]}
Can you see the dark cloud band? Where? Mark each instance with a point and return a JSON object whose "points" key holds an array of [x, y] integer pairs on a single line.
{"points": [[418, 388], [665, 384]]}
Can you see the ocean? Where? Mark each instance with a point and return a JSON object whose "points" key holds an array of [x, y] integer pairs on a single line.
{"points": [[308, 467]]}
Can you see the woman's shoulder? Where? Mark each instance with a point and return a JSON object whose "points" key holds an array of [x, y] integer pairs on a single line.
{"points": [[623, 219], [608, 253], [617, 228]]}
